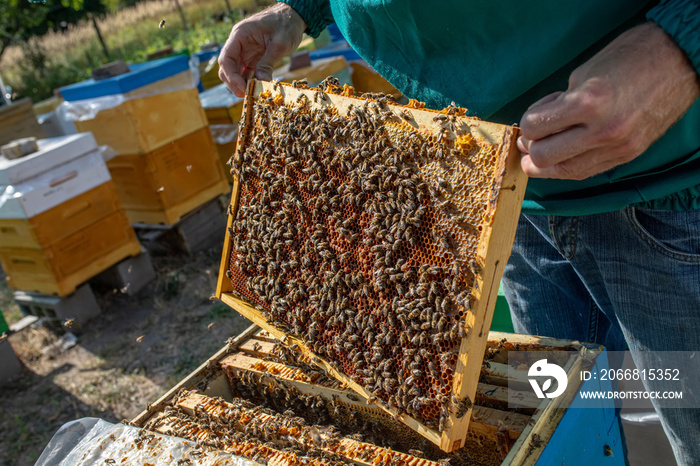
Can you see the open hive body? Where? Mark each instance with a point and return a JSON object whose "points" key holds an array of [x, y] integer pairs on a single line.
{"points": [[258, 399], [373, 236]]}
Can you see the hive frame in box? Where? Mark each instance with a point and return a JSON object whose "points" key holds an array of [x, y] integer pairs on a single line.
{"points": [[493, 249], [537, 440]]}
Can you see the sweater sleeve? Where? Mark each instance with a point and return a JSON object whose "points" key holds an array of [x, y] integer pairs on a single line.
{"points": [[315, 13], [681, 20]]}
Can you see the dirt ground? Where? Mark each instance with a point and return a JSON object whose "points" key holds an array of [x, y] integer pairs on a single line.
{"points": [[110, 374]]}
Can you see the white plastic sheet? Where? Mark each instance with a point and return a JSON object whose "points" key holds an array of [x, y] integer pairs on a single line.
{"points": [[82, 110], [91, 441], [223, 134]]}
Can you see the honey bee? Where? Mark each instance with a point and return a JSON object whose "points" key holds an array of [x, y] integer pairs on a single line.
{"points": [[69, 323], [140, 339]]}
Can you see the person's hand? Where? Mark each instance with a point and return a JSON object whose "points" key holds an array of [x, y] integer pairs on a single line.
{"points": [[257, 43], [617, 104]]}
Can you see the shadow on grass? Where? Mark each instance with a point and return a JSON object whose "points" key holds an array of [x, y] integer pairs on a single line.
{"points": [[32, 408]]}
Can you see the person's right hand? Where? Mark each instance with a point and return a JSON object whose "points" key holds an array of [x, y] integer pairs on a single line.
{"points": [[257, 43]]}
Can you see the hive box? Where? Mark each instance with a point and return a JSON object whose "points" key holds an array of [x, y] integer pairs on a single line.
{"points": [[538, 432], [159, 104], [223, 110], [163, 185], [17, 121], [167, 164], [61, 222], [221, 106]]}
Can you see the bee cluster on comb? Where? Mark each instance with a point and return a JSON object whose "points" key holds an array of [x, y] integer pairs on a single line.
{"points": [[357, 232]]}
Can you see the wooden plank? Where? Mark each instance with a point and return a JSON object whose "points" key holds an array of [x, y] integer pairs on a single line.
{"points": [[224, 285], [494, 246], [263, 335], [18, 121], [257, 348], [169, 425], [194, 377], [511, 422], [499, 397]]}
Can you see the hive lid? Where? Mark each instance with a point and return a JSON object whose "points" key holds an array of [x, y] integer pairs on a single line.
{"points": [[219, 97], [372, 237], [52, 153], [140, 75]]}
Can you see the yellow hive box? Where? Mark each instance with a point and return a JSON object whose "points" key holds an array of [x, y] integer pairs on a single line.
{"points": [[144, 124], [225, 137], [164, 184], [221, 106], [47, 105], [61, 266], [67, 218], [209, 74]]}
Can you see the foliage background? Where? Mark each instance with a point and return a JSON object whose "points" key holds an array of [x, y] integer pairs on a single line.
{"points": [[49, 51]]}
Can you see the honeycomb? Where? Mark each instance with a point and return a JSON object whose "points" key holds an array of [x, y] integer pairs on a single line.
{"points": [[265, 436], [357, 230], [353, 419]]}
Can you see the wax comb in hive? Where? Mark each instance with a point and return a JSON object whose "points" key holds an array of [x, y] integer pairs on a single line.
{"points": [[373, 237]]}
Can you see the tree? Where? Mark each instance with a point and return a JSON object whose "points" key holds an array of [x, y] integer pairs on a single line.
{"points": [[21, 19], [18, 21]]}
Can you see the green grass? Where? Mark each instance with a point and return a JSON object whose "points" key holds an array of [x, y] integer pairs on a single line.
{"points": [[8, 306]]}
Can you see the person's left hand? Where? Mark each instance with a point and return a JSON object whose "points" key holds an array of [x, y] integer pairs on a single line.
{"points": [[617, 104]]}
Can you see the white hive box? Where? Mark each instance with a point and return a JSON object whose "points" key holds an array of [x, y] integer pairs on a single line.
{"points": [[62, 169], [61, 221]]}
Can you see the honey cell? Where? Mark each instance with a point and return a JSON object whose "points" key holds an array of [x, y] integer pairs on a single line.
{"points": [[351, 229]]}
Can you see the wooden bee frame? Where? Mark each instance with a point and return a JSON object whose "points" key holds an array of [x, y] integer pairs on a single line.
{"points": [[535, 430], [502, 208]]}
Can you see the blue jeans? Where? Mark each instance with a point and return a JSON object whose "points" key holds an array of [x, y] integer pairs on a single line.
{"points": [[629, 277]]}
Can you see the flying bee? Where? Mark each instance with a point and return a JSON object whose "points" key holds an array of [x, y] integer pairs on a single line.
{"points": [[161, 25]]}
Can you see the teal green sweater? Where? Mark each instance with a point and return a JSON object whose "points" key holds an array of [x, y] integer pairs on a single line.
{"points": [[497, 58]]}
